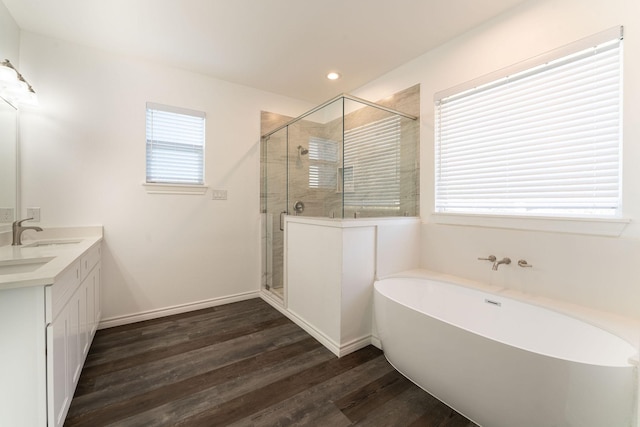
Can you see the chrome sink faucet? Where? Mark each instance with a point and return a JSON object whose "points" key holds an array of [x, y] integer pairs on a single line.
{"points": [[18, 229], [504, 260]]}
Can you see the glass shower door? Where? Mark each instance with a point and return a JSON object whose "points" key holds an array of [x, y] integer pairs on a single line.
{"points": [[274, 208]]}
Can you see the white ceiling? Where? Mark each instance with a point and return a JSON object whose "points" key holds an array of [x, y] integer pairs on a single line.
{"points": [[281, 46]]}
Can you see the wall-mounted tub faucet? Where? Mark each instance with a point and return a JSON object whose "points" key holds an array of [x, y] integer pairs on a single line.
{"points": [[18, 229], [504, 260]]}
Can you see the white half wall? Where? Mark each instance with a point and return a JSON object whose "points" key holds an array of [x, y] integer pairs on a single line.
{"points": [[597, 272], [331, 265], [83, 163]]}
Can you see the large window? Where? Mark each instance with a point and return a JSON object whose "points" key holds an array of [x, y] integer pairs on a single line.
{"points": [[541, 140], [175, 145]]}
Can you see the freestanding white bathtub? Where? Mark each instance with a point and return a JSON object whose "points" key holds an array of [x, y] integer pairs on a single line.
{"points": [[502, 362]]}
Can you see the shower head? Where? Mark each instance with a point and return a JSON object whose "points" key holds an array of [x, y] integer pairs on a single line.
{"points": [[302, 151]]}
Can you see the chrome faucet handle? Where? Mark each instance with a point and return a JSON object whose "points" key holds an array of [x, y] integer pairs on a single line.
{"points": [[491, 258], [524, 263]]}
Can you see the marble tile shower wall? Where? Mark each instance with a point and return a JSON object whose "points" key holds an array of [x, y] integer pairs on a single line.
{"points": [[319, 202], [407, 101]]}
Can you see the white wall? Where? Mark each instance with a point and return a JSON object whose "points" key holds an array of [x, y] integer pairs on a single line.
{"points": [[9, 37], [83, 163], [598, 272]]}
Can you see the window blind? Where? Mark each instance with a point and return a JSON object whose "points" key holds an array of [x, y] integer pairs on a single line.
{"points": [[542, 141], [323, 161], [175, 145], [372, 164]]}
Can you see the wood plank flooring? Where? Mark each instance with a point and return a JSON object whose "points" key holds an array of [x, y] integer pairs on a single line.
{"points": [[242, 364]]}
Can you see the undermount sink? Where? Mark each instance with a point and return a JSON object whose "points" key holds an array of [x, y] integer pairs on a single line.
{"points": [[27, 265], [42, 243]]}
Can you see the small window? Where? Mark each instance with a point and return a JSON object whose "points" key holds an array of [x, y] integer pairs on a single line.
{"points": [[175, 145], [372, 165], [323, 161], [544, 140]]}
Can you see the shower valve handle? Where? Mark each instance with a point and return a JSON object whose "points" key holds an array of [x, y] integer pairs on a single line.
{"points": [[491, 258]]}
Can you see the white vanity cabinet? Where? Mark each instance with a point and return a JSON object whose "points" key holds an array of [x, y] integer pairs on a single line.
{"points": [[45, 347]]}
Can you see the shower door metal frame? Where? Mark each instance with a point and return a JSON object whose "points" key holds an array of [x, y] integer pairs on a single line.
{"points": [[334, 99], [283, 211], [279, 213]]}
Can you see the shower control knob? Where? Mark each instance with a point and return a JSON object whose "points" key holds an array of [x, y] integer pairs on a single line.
{"points": [[298, 207]]}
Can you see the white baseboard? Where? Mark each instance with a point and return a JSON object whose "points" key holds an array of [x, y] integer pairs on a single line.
{"points": [[176, 309], [354, 345], [330, 344], [273, 301], [375, 341], [334, 347]]}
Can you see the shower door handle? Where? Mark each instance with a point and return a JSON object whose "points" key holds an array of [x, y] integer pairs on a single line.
{"points": [[282, 214]]}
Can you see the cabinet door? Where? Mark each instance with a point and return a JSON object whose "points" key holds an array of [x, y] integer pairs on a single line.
{"points": [[23, 361], [97, 297], [58, 394], [74, 340], [89, 287], [91, 292]]}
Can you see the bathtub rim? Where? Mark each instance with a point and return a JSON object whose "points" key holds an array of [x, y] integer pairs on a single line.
{"points": [[625, 328]]}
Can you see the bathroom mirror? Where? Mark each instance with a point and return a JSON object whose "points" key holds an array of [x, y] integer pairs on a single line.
{"points": [[8, 164]]}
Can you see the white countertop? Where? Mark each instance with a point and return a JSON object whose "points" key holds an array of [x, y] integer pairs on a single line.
{"points": [[63, 254]]}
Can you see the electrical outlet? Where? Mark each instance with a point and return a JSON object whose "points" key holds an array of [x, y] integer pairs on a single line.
{"points": [[219, 194], [6, 215], [34, 213]]}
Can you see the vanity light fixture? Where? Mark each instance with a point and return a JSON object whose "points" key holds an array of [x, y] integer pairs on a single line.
{"points": [[333, 75], [14, 88]]}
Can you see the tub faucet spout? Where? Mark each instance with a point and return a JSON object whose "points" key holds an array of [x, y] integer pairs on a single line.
{"points": [[504, 260]]}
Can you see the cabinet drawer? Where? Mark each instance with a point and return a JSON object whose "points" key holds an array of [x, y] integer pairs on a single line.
{"points": [[59, 293], [89, 259]]}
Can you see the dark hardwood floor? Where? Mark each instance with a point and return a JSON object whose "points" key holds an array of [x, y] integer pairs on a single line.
{"points": [[241, 364]]}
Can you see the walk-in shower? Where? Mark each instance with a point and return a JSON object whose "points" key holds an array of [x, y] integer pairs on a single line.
{"points": [[346, 158]]}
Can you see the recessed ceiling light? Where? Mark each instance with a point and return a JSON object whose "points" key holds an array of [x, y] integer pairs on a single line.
{"points": [[333, 75]]}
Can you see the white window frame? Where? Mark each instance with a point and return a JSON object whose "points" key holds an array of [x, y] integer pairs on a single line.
{"points": [[194, 142], [606, 225]]}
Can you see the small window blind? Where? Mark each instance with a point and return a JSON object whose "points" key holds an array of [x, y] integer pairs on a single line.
{"points": [[175, 145], [372, 164], [323, 162], [546, 140]]}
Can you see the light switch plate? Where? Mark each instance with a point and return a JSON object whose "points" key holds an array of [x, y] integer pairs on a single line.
{"points": [[6, 215], [34, 213], [219, 194]]}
